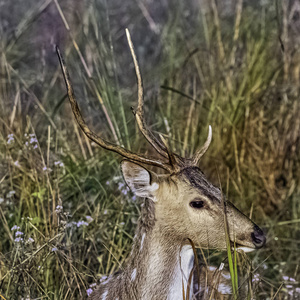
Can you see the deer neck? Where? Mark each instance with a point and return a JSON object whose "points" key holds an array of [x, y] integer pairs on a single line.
{"points": [[158, 267]]}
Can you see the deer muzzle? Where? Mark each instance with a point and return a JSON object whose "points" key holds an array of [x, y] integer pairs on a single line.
{"points": [[258, 237]]}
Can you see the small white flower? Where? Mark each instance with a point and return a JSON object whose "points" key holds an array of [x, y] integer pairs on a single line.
{"points": [[30, 240], [58, 209], [71, 224], [10, 194], [117, 178], [10, 138], [1, 200], [120, 185], [89, 219], [59, 163], [15, 227], [82, 223], [123, 188], [287, 278], [105, 279], [47, 170], [89, 291], [256, 278], [17, 164], [18, 239], [19, 233], [33, 139], [54, 249]]}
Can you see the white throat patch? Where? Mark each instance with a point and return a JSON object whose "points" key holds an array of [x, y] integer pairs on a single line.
{"points": [[182, 274]]}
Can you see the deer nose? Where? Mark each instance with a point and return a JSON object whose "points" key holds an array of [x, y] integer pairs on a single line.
{"points": [[258, 237]]}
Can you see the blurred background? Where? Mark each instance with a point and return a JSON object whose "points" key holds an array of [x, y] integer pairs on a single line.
{"points": [[66, 215]]}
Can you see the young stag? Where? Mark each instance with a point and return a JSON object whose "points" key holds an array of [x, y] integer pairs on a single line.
{"points": [[179, 207]]}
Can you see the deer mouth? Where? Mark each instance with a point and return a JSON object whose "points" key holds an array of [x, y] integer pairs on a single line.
{"points": [[258, 240], [241, 248], [244, 249]]}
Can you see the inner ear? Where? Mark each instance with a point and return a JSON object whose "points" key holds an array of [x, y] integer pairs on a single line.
{"points": [[139, 179]]}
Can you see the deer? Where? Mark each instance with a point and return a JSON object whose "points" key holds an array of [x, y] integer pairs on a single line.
{"points": [[182, 210]]}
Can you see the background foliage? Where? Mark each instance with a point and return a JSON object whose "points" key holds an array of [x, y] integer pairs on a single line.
{"points": [[66, 216]]}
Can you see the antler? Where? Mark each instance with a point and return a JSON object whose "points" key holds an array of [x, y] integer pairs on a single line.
{"points": [[100, 141], [197, 156], [170, 161], [139, 113]]}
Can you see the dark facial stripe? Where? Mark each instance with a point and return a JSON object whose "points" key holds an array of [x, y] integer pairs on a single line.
{"points": [[197, 180]]}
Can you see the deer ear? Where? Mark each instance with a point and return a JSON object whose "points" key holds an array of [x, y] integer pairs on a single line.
{"points": [[139, 180]]}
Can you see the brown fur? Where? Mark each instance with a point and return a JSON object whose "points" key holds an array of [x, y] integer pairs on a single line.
{"points": [[165, 224]]}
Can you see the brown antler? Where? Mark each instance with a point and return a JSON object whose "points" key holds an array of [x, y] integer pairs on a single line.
{"points": [[139, 113], [103, 143], [169, 161], [161, 148], [174, 159]]}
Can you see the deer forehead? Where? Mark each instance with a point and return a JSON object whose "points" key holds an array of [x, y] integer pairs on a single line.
{"points": [[188, 184], [197, 180]]}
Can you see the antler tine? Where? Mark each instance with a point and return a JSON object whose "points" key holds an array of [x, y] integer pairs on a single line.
{"points": [[171, 155], [98, 140], [139, 113], [197, 156]]}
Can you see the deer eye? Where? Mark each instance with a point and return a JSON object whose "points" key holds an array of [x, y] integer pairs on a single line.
{"points": [[197, 204]]}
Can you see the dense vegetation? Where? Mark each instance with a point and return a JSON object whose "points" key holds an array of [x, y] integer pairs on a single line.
{"points": [[66, 215]]}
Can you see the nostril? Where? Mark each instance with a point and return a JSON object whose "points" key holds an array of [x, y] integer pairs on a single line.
{"points": [[258, 237], [258, 241]]}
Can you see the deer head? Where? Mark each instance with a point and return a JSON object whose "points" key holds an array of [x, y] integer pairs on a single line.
{"points": [[184, 204], [189, 207]]}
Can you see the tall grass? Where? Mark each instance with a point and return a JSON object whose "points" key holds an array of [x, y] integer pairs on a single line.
{"points": [[66, 216]]}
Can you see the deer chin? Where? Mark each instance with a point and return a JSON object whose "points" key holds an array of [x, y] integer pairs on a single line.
{"points": [[241, 248], [244, 249]]}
